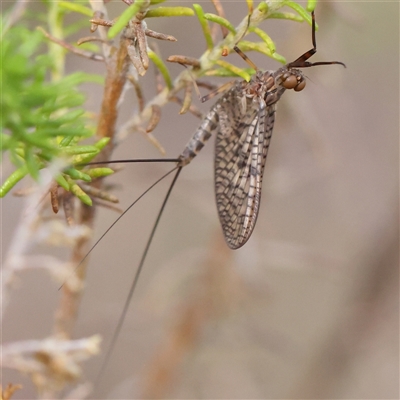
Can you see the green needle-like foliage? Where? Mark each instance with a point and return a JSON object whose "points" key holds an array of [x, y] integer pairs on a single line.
{"points": [[41, 119]]}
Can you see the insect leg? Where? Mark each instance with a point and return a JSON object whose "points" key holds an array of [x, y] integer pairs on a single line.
{"points": [[245, 58], [302, 62], [221, 89]]}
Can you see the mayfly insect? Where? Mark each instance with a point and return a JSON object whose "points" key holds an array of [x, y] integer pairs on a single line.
{"points": [[242, 121]]}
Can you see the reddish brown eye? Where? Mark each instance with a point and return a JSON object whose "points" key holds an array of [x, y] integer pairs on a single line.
{"points": [[290, 82], [300, 86]]}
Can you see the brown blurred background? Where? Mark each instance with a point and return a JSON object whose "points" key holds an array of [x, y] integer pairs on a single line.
{"points": [[309, 307]]}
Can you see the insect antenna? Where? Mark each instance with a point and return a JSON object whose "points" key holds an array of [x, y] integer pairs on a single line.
{"points": [[121, 319]]}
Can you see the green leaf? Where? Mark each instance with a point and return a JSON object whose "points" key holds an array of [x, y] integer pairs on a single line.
{"points": [[170, 12], [279, 58], [69, 116], [32, 164], [62, 182], [103, 142], [261, 47], [299, 9], [99, 172], [268, 41], [5, 142], [161, 67], [235, 70], [224, 73], [84, 159], [74, 150], [80, 194], [13, 179], [66, 141], [311, 4], [221, 21], [263, 7], [68, 5], [204, 25], [287, 16], [76, 174]]}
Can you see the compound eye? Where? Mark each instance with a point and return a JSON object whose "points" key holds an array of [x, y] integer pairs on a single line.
{"points": [[300, 86], [290, 82]]}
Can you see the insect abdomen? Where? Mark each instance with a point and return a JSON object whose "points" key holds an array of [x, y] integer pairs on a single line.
{"points": [[199, 139]]}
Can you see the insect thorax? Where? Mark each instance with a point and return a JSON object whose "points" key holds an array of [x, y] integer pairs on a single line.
{"points": [[264, 89]]}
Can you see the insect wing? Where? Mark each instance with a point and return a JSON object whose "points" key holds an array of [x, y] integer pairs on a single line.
{"points": [[242, 142]]}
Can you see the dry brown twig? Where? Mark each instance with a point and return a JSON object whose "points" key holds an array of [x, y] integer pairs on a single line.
{"points": [[8, 391]]}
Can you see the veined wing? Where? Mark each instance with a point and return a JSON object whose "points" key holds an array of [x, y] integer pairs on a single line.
{"points": [[241, 149]]}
